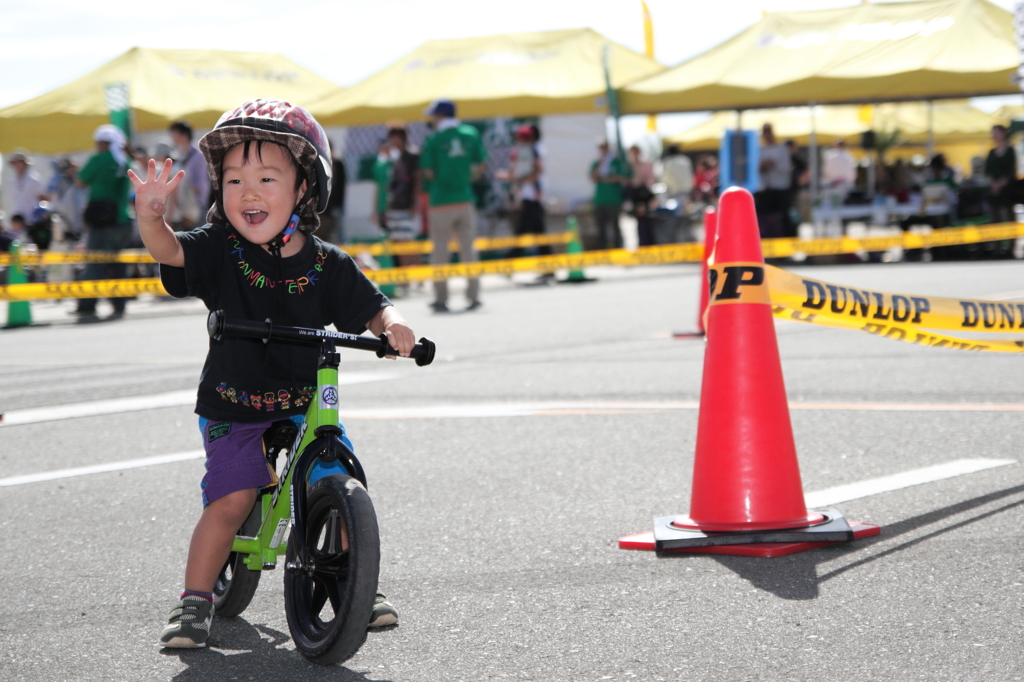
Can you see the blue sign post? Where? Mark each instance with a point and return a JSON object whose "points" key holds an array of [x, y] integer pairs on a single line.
{"points": [[738, 159]]}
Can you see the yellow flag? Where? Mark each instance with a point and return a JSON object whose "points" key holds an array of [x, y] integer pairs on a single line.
{"points": [[652, 121]]}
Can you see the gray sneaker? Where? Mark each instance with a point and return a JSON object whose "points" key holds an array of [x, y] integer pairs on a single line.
{"points": [[189, 624], [384, 614]]}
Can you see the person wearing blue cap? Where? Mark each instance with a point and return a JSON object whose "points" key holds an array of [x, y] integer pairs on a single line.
{"points": [[452, 158]]}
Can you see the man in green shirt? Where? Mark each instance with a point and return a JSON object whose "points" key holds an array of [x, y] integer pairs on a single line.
{"points": [[451, 159], [110, 229], [609, 173]]}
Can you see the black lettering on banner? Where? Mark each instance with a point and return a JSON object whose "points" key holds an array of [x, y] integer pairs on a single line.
{"points": [[896, 334], [1020, 311], [712, 282], [971, 315], [921, 305], [1006, 317], [985, 307], [802, 316], [897, 302], [815, 295], [735, 277], [834, 290], [873, 328], [880, 313], [859, 301], [922, 339]]}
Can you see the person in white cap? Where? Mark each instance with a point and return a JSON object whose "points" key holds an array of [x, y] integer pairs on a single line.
{"points": [[25, 188], [106, 214]]}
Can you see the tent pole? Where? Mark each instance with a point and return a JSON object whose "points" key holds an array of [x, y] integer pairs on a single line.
{"points": [[613, 100], [931, 129], [812, 160]]}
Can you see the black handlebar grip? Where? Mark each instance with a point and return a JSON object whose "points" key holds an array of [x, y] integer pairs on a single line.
{"points": [[427, 355], [217, 326], [422, 352]]}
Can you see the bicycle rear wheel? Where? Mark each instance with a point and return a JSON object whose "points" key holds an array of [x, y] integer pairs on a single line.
{"points": [[329, 602], [236, 584]]}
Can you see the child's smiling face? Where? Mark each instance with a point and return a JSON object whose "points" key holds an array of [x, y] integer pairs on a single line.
{"points": [[259, 191]]}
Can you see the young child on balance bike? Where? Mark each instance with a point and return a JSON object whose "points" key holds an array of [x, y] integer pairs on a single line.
{"points": [[270, 169]]}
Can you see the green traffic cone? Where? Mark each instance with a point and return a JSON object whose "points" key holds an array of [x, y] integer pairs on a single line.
{"points": [[573, 247], [19, 313]]}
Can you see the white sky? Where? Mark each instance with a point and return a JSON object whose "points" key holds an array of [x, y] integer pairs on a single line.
{"points": [[48, 43]]}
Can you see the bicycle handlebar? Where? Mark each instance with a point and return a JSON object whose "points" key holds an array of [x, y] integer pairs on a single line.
{"points": [[217, 325]]}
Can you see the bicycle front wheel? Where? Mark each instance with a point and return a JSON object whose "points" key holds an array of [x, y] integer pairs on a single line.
{"points": [[329, 602]]}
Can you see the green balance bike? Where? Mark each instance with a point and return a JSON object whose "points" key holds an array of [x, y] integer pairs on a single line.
{"points": [[328, 531]]}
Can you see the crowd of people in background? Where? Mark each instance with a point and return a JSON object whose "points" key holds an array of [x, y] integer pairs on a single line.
{"points": [[433, 192], [90, 207]]}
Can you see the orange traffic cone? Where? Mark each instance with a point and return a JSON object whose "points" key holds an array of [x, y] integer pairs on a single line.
{"points": [[747, 497], [710, 229]]}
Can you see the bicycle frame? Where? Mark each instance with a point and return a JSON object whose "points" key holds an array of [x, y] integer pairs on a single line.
{"points": [[319, 437]]}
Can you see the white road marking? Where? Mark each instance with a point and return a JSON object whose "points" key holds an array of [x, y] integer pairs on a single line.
{"points": [[143, 402], [101, 468], [469, 411], [874, 486], [478, 411]]}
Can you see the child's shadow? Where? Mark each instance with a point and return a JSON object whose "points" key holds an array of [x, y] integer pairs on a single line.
{"points": [[238, 651]]}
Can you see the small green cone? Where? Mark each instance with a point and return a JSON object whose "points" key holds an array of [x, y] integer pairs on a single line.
{"points": [[19, 313], [574, 246]]}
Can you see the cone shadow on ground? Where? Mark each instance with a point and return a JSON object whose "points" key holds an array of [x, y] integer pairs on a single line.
{"points": [[242, 651], [795, 576]]}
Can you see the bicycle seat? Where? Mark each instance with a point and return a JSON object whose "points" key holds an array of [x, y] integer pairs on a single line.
{"points": [[279, 437]]}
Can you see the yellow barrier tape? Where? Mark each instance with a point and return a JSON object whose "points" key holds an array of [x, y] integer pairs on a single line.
{"points": [[901, 332], [946, 236], [99, 288], [75, 257], [480, 244], [374, 249], [651, 255], [771, 248], [900, 317], [865, 306], [654, 255]]}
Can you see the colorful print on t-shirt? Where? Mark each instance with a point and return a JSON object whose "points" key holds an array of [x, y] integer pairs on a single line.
{"points": [[268, 401], [256, 278]]}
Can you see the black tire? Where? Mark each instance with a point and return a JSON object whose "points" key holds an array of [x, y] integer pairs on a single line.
{"points": [[236, 584], [329, 607]]}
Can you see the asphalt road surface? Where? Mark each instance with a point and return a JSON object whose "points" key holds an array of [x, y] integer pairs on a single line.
{"points": [[555, 420]]}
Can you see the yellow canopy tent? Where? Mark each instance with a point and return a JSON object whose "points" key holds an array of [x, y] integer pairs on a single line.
{"points": [[952, 122], [519, 74], [935, 49], [163, 85], [1009, 112]]}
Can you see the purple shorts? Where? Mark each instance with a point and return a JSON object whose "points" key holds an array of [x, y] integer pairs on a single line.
{"points": [[235, 458]]}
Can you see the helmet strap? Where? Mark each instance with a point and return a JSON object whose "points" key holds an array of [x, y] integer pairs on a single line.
{"points": [[278, 242]]}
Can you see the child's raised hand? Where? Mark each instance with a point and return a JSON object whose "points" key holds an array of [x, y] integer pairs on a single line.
{"points": [[151, 194]]}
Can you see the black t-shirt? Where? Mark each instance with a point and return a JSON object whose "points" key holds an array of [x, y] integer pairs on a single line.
{"points": [[246, 380]]}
